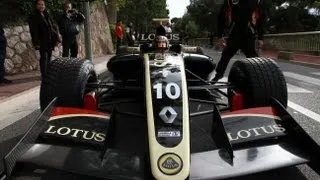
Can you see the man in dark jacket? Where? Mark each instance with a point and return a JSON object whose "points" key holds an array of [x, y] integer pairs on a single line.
{"points": [[69, 29], [3, 46], [246, 19], [44, 34]]}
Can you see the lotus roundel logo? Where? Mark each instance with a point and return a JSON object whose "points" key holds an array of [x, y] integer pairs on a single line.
{"points": [[170, 164]]}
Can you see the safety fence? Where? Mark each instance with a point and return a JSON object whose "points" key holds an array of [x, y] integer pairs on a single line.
{"points": [[305, 42]]}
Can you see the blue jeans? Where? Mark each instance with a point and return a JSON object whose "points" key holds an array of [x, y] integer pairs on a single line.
{"points": [[2, 69]]}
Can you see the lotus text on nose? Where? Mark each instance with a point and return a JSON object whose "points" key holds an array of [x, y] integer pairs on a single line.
{"points": [[258, 131], [76, 133]]}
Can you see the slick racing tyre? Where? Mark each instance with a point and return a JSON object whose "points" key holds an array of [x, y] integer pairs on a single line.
{"points": [[67, 80], [258, 79]]}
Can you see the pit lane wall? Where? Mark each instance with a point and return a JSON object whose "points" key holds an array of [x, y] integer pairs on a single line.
{"points": [[300, 42], [22, 57]]}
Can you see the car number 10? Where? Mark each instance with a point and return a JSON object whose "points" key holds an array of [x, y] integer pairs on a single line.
{"points": [[170, 94]]}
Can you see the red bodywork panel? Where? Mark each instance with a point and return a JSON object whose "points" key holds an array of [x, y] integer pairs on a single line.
{"points": [[58, 111], [237, 102], [89, 107], [90, 101], [259, 110]]}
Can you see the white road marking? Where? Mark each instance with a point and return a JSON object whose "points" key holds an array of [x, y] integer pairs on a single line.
{"points": [[304, 111], [296, 89], [316, 73], [291, 89], [300, 77]]}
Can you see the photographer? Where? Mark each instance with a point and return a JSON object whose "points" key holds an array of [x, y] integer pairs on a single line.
{"points": [[69, 29]]}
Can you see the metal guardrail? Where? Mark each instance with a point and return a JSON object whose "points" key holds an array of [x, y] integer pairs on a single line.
{"points": [[306, 42]]}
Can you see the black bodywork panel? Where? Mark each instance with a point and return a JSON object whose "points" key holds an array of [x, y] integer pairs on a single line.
{"points": [[221, 146], [119, 161]]}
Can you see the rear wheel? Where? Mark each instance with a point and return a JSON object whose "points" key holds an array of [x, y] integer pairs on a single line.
{"points": [[258, 79], [67, 80]]}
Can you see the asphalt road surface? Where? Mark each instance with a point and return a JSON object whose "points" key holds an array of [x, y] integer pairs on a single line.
{"points": [[304, 105]]}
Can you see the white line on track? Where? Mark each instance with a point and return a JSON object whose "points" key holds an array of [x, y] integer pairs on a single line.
{"points": [[291, 89], [296, 89], [300, 77], [304, 111], [316, 73]]}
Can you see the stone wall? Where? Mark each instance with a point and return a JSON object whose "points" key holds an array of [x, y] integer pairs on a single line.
{"points": [[22, 57]]}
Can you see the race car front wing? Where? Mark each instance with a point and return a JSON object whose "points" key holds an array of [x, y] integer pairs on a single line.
{"points": [[237, 154]]}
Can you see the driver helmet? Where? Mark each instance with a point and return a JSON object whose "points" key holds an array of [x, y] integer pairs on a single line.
{"points": [[162, 42]]}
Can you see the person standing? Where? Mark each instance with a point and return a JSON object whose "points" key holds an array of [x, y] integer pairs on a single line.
{"points": [[44, 34], [119, 33], [3, 52], [69, 24], [168, 28], [130, 34], [246, 22]]}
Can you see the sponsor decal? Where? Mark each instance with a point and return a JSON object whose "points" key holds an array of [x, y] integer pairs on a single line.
{"points": [[169, 134], [159, 57], [76, 133], [170, 164], [255, 132], [159, 64], [152, 36]]}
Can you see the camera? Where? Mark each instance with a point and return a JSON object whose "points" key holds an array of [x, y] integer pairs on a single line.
{"points": [[72, 11]]}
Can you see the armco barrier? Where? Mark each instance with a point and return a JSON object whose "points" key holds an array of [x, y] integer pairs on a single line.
{"points": [[303, 42]]}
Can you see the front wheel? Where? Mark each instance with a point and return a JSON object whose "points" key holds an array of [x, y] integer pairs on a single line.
{"points": [[67, 80], [258, 79]]}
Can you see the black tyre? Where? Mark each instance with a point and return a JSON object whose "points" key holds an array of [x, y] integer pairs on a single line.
{"points": [[67, 80], [259, 79]]}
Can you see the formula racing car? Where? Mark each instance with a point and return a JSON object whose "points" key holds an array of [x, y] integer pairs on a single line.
{"points": [[160, 117]]}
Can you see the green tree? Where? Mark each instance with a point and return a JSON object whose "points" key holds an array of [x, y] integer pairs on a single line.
{"points": [[192, 30], [282, 15], [141, 13], [294, 16], [18, 11], [204, 13]]}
